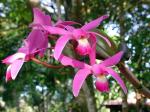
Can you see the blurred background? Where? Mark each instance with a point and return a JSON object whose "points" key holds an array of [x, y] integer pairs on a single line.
{"points": [[40, 89]]}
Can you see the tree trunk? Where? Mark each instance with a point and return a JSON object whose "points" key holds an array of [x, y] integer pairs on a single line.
{"points": [[124, 103], [58, 9], [122, 34], [89, 98]]}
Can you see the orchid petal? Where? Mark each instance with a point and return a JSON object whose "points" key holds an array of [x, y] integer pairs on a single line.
{"points": [[12, 58], [103, 37], [60, 44], [72, 62], [40, 17], [60, 26], [69, 23], [95, 23], [79, 79], [34, 40], [15, 67], [8, 74], [56, 30], [98, 69], [101, 85], [113, 60], [69, 28], [43, 46], [65, 23], [92, 55], [117, 78], [37, 40], [58, 22]]}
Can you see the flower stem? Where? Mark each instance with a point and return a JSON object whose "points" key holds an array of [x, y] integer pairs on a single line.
{"points": [[46, 64]]}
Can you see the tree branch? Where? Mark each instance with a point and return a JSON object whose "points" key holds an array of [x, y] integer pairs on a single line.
{"points": [[46, 64], [132, 79]]}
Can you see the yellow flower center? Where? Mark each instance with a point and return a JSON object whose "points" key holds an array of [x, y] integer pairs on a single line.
{"points": [[101, 78], [83, 41]]}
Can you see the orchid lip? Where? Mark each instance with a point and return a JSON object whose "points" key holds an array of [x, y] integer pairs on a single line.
{"points": [[102, 84], [83, 47]]}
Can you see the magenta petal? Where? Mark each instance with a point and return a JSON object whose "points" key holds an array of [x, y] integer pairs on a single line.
{"points": [[40, 17], [98, 69], [65, 23], [37, 40], [34, 40], [72, 62], [117, 78], [95, 23], [58, 22], [113, 60], [8, 74], [60, 44], [102, 86], [103, 37], [79, 79], [69, 28], [69, 23], [56, 30], [15, 67], [43, 46], [92, 55], [12, 58]]}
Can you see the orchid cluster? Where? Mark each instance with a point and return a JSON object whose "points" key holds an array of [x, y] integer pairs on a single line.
{"points": [[37, 43]]}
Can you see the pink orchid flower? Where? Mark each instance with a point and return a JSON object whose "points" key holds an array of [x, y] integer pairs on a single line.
{"points": [[100, 71], [39, 37], [35, 43], [25, 53], [17, 60], [15, 63], [86, 39]]}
